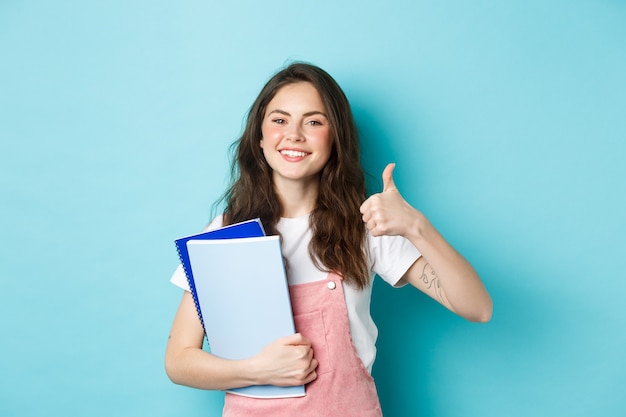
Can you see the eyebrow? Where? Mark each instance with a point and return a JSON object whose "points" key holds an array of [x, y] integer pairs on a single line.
{"points": [[307, 114]]}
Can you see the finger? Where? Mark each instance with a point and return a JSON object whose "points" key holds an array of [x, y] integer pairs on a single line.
{"points": [[310, 377], [312, 366], [310, 371], [303, 352], [365, 206], [368, 204], [296, 339], [366, 216], [388, 183]]}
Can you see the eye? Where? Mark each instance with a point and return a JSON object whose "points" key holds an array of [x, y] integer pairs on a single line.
{"points": [[314, 123], [279, 121]]}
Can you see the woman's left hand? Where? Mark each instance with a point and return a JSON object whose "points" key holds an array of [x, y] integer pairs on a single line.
{"points": [[387, 213]]}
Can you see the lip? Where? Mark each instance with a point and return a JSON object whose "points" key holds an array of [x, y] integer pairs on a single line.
{"points": [[293, 149]]}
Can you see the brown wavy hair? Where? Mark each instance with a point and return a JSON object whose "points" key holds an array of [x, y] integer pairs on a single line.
{"points": [[339, 234]]}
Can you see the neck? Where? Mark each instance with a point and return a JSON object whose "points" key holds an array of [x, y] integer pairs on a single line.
{"points": [[297, 198]]}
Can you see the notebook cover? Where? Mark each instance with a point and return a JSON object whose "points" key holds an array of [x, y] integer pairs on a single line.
{"points": [[243, 297], [249, 228]]}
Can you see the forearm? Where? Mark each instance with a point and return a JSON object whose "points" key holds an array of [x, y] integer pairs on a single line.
{"points": [[286, 361], [187, 364], [459, 282], [196, 368]]}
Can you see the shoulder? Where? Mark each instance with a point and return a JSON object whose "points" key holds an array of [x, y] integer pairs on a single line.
{"points": [[216, 223]]}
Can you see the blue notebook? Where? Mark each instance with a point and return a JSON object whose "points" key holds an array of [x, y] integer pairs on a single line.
{"points": [[240, 289], [250, 228]]}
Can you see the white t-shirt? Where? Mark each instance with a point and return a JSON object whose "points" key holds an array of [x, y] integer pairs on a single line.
{"points": [[389, 257]]}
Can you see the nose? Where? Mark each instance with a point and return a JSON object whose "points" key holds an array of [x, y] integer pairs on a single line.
{"points": [[294, 134]]}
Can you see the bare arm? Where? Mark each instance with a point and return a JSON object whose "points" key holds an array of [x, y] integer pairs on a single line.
{"points": [[286, 361], [441, 272], [446, 276]]}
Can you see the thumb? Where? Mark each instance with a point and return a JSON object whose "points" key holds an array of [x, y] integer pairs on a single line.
{"points": [[388, 183]]}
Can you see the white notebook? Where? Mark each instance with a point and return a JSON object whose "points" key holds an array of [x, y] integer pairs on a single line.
{"points": [[243, 296]]}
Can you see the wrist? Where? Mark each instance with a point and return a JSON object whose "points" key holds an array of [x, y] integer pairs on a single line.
{"points": [[252, 372], [418, 226]]}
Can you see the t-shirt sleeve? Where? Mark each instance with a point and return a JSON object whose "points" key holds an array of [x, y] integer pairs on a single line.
{"points": [[179, 278], [391, 257]]}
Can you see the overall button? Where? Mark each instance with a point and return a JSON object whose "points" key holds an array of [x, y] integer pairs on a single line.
{"points": [[332, 285]]}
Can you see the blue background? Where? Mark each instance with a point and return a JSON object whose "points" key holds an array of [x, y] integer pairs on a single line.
{"points": [[506, 121]]}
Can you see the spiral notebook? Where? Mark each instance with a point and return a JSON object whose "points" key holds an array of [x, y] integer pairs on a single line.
{"points": [[250, 228], [241, 294]]}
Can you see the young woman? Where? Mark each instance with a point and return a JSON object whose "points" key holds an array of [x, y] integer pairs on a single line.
{"points": [[297, 167]]}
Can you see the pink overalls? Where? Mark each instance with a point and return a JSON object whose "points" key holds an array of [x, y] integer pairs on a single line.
{"points": [[343, 387]]}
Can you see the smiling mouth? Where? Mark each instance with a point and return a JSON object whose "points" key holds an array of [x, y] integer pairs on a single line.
{"points": [[293, 154]]}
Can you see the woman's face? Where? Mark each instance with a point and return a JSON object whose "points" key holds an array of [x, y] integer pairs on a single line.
{"points": [[296, 138]]}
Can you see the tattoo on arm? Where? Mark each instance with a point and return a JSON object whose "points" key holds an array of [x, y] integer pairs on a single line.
{"points": [[432, 282]]}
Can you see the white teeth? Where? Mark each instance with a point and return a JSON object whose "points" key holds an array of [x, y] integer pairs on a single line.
{"points": [[293, 153]]}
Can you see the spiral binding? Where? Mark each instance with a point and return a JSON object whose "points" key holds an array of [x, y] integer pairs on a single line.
{"points": [[192, 288], [257, 227]]}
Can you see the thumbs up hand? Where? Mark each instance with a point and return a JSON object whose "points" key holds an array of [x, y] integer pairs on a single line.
{"points": [[387, 213]]}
